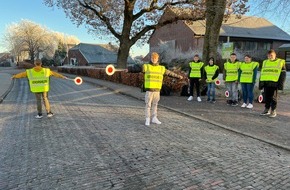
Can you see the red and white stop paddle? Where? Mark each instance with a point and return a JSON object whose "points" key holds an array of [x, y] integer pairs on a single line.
{"points": [[77, 80], [227, 94], [110, 69], [217, 82], [260, 98]]}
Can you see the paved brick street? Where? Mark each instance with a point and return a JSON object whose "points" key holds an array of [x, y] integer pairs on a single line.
{"points": [[97, 140]]}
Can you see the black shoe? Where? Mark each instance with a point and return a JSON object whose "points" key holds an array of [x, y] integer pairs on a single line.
{"points": [[213, 101], [235, 103], [39, 116], [229, 102], [208, 100], [265, 112]]}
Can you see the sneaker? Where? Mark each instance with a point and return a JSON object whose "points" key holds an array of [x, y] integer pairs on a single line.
{"points": [[156, 121], [198, 99], [39, 116], [273, 113], [208, 100], [50, 114], [250, 106], [147, 121], [190, 98], [235, 103], [265, 112], [229, 102], [243, 105], [213, 101]]}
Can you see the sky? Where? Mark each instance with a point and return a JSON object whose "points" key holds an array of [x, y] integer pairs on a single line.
{"points": [[12, 11]]}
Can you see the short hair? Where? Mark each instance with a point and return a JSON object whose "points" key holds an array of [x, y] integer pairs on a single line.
{"points": [[271, 51], [233, 54], [247, 55], [154, 54], [38, 62], [196, 55], [211, 58]]}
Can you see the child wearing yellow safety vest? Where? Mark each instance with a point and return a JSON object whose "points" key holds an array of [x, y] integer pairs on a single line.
{"points": [[230, 76], [211, 74], [195, 74], [38, 78], [247, 78], [153, 78], [272, 79]]}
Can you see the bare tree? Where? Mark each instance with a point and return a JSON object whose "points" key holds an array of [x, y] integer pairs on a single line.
{"points": [[128, 21]]}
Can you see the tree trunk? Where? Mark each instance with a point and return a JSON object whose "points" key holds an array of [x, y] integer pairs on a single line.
{"points": [[215, 10], [123, 54]]}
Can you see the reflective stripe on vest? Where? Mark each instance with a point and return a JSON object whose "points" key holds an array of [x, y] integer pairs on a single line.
{"points": [[195, 69], [271, 70], [38, 81], [210, 71], [231, 71], [247, 72], [153, 77]]}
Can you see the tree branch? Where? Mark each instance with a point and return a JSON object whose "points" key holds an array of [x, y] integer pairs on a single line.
{"points": [[153, 6], [102, 17]]}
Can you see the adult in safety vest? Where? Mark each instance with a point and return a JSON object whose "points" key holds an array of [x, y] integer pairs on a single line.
{"points": [[211, 73], [153, 78], [38, 78], [195, 74], [272, 79], [230, 76], [247, 78]]}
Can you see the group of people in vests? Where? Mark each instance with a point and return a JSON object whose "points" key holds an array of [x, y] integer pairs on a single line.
{"points": [[272, 78]]}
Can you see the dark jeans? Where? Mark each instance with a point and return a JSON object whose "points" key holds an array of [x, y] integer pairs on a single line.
{"points": [[271, 97], [211, 88], [248, 94], [194, 82]]}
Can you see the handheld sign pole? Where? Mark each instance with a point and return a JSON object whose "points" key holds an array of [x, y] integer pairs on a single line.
{"points": [[110, 69]]}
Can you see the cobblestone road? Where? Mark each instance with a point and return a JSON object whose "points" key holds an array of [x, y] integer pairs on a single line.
{"points": [[97, 140]]}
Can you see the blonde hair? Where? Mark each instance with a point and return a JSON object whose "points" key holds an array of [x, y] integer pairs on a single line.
{"points": [[154, 54]]}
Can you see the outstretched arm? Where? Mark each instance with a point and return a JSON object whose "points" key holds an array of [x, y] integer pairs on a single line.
{"points": [[19, 75], [55, 74], [172, 74]]}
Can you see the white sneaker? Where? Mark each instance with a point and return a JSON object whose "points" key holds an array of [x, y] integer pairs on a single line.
{"points": [[190, 98], [250, 106], [147, 121], [38, 116], [198, 99], [244, 105], [155, 120]]}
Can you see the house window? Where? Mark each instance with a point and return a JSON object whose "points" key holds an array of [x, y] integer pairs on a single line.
{"points": [[73, 61], [251, 46], [267, 46]]}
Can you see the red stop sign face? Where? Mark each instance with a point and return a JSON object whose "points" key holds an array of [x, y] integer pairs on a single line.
{"points": [[78, 80], [110, 69], [260, 98]]}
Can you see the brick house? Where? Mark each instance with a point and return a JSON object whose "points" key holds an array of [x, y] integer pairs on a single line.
{"points": [[250, 35], [100, 55]]}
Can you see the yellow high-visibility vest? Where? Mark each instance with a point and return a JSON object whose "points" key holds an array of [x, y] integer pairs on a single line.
{"points": [[231, 71], [38, 81], [153, 76], [271, 70], [195, 69], [247, 71], [210, 71]]}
